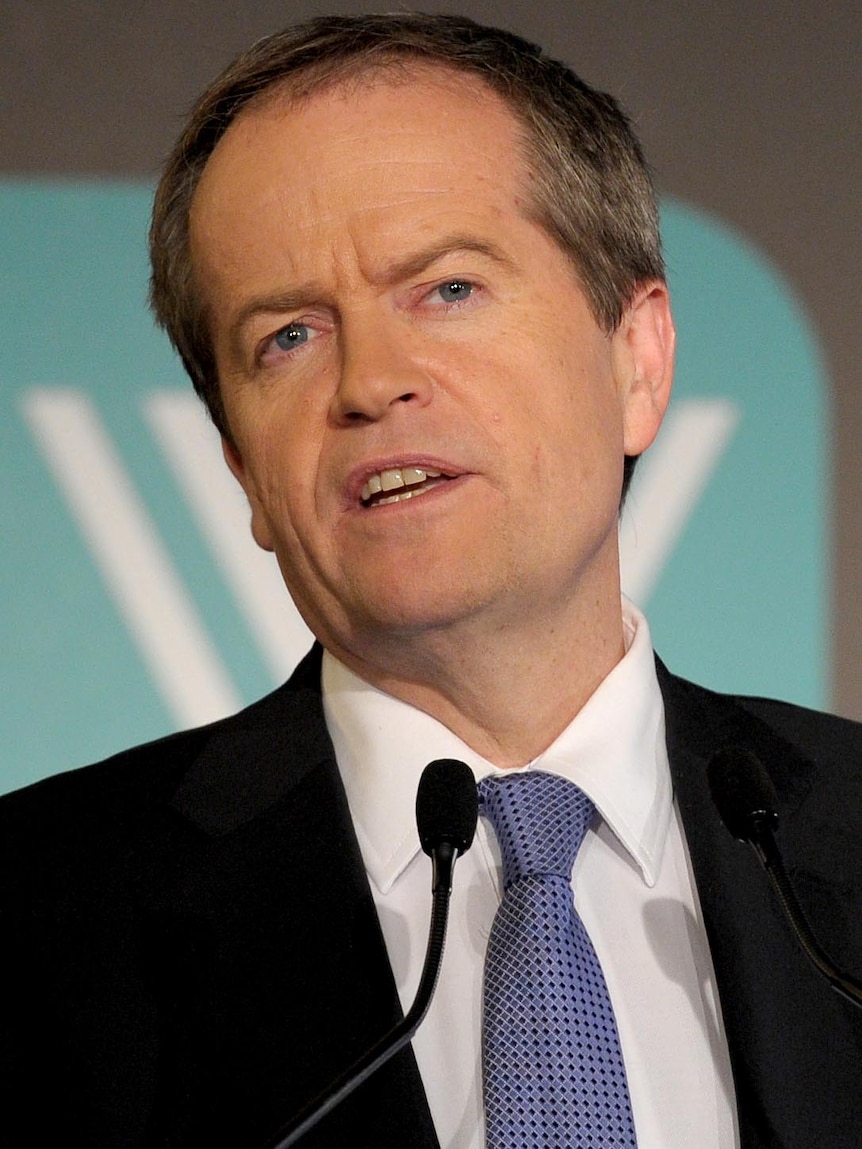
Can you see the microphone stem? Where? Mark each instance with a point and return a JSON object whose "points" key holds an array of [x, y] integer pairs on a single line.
{"points": [[397, 1037], [767, 851]]}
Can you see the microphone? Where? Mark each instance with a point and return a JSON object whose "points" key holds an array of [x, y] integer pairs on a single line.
{"points": [[447, 809], [745, 798], [747, 803]]}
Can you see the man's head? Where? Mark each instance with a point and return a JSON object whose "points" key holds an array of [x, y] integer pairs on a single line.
{"points": [[424, 411], [588, 186]]}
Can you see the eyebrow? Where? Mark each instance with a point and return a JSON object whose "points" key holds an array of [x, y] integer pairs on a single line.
{"points": [[304, 295], [417, 262]]}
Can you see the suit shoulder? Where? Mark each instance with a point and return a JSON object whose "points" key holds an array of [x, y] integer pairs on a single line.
{"points": [[108, 798], [152, 768], [815, 732], [93, 809], [803, 749]]}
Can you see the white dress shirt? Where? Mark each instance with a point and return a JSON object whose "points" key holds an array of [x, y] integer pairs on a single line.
{"points": [[632, 882]]}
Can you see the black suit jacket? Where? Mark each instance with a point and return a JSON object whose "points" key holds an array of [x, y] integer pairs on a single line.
{"points": [[190, 949]]}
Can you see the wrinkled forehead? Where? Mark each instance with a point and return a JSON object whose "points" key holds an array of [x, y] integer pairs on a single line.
{"points": [[291, 145], [352, 82]]}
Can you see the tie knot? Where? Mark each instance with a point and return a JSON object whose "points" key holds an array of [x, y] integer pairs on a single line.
{"points": [[540, 821]]}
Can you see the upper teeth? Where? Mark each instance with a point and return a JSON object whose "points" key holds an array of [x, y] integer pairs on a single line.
{"points": [[394, 478]]}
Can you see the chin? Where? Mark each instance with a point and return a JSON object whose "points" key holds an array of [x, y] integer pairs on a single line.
{"points": [[405, 615]]}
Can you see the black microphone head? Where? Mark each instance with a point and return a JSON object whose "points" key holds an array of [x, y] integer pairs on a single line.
{"points": [[743, 792], [447, 805]]}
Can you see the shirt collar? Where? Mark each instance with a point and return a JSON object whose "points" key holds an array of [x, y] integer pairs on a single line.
{"points": [[614, 749]]}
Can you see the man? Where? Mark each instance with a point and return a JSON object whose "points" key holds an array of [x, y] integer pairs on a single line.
{"points": [[413, 267]]}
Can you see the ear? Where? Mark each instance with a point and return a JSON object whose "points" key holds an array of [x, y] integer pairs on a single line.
{"points": [[259, 525], [644, 346]]}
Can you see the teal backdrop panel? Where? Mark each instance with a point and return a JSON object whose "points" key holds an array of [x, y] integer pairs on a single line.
{"points": [[125, 612], [743, 602]]}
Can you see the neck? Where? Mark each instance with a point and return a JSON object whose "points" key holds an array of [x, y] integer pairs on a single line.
{"points": [[507, 691]]}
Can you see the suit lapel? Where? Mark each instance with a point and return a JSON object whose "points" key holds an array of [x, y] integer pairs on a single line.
{"points": [[794, 1045], [267, 952]]}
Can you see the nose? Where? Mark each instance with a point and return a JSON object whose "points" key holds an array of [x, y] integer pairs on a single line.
{"points": [[379, 369]]}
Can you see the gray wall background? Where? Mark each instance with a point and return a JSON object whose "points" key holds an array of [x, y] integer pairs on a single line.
{"points": [[749, 110]]}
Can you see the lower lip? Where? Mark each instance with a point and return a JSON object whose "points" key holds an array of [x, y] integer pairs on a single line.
{"points": [[428, 495]]}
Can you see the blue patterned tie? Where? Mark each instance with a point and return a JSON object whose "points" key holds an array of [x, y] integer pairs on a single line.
{"points": [[553, 1071]]}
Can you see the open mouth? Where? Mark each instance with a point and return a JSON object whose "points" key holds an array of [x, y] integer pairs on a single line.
{"points": [[396, 484]]}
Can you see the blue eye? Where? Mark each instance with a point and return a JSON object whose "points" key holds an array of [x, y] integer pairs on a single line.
{"points": [[455, 291], [291, 336]]}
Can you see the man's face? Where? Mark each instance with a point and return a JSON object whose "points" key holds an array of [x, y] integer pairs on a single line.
{"points": [[383, 313]]}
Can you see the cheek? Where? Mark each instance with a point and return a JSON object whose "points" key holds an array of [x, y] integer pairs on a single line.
{"points": [[580, 446], [273, 485], [279, 436]]}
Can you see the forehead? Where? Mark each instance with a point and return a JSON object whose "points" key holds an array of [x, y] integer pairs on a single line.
{"points": [[416, 124], [362, 92]]}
